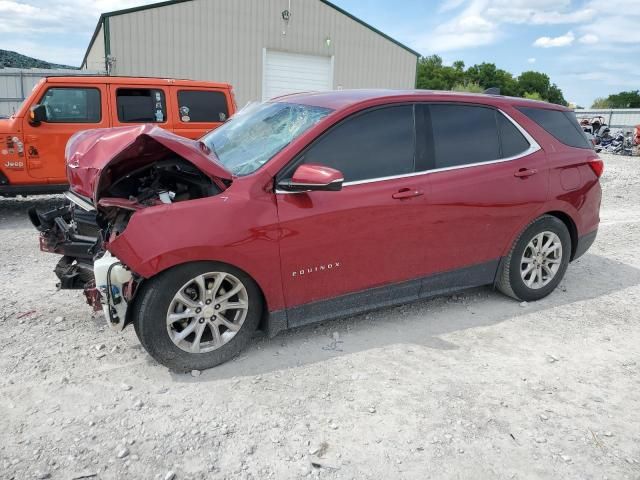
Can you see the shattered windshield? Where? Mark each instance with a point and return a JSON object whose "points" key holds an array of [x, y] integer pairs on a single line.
{"points": [[256, 133]]}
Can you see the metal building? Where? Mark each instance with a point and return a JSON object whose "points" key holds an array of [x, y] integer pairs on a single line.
{"points": [[264, 48]]}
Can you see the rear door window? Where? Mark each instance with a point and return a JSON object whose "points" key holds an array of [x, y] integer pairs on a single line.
{"points": [[202, 106], [72, 105], [463, 134], [141, 105], [455, 135], [561, 124], [375, 144]]}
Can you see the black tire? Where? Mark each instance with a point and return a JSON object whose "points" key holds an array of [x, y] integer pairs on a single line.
{"points": [[150, 317], [509, 280]]}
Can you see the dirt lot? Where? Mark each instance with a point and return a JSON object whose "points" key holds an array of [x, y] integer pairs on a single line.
{"points": [[469, 386]]}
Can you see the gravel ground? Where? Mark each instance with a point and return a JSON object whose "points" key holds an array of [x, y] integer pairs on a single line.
{"points": [[468, 386]]}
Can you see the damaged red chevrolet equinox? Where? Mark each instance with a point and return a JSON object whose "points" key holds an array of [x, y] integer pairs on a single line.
{"points": [[314, 206]]}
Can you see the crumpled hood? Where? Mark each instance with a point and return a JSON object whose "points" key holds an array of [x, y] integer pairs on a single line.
{"points": [[96, 158]]}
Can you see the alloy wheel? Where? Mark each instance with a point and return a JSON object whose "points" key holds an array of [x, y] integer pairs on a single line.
{"points": [[541, 260], [207, 312]]}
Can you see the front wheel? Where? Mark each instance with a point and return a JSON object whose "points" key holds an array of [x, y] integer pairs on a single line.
{"points": [[198, 315], [537, 261]]}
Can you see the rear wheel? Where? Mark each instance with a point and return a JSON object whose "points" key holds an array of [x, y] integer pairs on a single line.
{"points": [[537, 261], [198, 315]]}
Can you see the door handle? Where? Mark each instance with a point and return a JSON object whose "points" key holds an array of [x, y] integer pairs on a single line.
{"points": [[525, 172], [406, 193]]}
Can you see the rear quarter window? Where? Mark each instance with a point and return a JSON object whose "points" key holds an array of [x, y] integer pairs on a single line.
{"points": [[560, 124], [512, 141]]}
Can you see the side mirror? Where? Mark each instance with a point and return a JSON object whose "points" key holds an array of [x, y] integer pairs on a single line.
{"points": [[312, 177], [37, 115]]}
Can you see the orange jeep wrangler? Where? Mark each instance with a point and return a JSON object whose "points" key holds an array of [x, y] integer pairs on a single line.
{"points": [[33, 140]]}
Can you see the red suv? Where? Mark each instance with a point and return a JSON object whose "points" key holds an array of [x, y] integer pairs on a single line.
{"points": [[319, 205]]}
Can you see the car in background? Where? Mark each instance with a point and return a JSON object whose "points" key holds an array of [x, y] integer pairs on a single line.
{"points": [[319, 205], [32, 142]]}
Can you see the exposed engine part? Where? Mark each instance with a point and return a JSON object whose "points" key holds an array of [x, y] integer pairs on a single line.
{"points": [[166, 181], [73, 273]]}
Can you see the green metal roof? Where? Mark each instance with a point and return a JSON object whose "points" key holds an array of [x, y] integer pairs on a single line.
{"points": [[104, 20]]}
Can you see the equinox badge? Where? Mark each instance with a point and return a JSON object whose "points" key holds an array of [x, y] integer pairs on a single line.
{"points": [[317, 269]]}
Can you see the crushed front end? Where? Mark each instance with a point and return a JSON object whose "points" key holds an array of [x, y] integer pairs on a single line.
{"points": [[77, 232], [114, 173]]}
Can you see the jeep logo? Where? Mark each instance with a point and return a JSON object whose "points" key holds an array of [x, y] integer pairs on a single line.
{"points": [[14, 165]]}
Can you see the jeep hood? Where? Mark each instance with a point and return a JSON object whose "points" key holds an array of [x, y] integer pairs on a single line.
{"points": [[96, 158]]}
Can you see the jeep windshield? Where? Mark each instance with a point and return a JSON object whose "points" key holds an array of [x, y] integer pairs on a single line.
{"points": [[258, 132]]}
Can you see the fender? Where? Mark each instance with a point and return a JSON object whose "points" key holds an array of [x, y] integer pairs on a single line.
{"points": [[158, 238]]}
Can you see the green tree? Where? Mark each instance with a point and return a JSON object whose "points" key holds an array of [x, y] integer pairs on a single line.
{"points": [[534, 82], [629, 99], [432, 74], [468, 87], [555, 96], [600, 102], [533, 96], [487, 76], [458, 65]]}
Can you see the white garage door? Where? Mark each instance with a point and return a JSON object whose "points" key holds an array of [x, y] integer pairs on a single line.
{"points": [[293, 72]]}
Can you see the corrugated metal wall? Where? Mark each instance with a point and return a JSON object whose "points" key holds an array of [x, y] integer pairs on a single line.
{"points": [[96, 56], [623, 118], [16, 85], [223, 40]]}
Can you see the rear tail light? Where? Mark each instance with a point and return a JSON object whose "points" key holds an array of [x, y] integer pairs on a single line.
{"points": [[597, 165]]}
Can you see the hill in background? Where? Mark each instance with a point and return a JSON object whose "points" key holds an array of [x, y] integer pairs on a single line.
{"points": [[9, 59]]}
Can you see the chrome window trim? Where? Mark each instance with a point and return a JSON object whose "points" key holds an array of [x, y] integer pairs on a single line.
{"points": [[533, 148], [298, 184]]}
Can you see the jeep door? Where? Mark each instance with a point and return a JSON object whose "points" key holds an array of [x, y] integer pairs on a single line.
{"points": [[370, 233], [70, 108]]}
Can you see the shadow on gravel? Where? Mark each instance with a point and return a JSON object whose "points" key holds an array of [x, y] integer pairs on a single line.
{"points": [[420, 323], [13, 211]]}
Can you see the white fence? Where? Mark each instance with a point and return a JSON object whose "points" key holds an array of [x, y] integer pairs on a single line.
{"points": [[16, 85], [621, 118]]}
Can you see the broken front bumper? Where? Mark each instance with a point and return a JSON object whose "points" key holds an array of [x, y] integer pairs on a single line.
{"points": [[113, 286], [72, 233]]}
